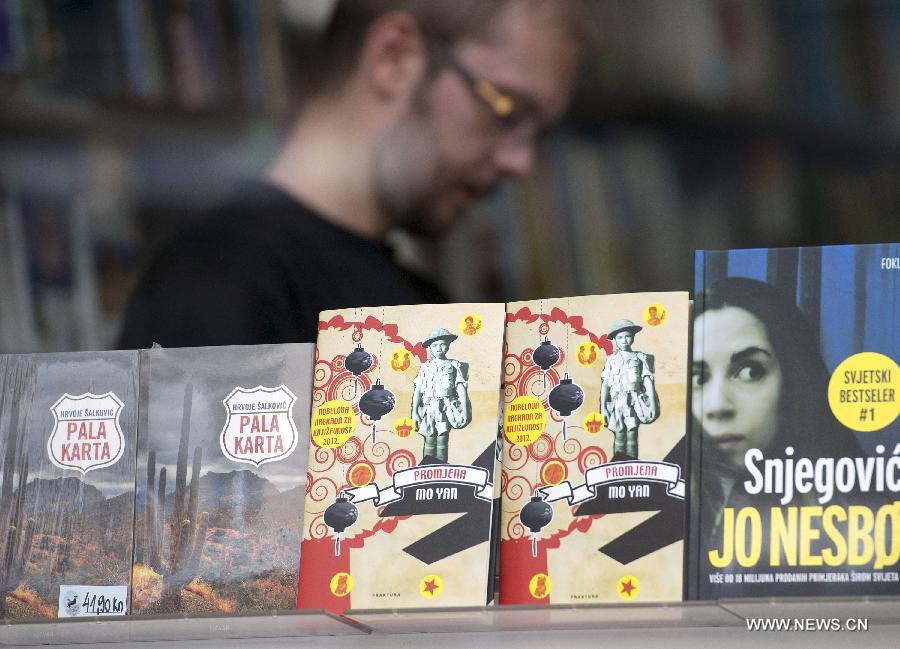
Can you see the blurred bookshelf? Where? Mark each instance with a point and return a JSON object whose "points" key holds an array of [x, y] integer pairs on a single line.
{"points": [[709, 124], [118, 121]]}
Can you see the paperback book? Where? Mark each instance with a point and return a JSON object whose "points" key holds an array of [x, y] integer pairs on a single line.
{"points": [[795, 439], [593, 481], [221, 471], [68, 425], [404, 439]]}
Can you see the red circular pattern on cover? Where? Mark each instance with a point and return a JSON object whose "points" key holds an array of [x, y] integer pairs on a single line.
{"points": [[542, 448], [318, 529], [378, 452], [518, 487], [321, 490], [349, 451], [324, 459], [590, 457], [517, 456], [554, 471], [361, 474], [514, 528], [399, 460], [567, 449]]}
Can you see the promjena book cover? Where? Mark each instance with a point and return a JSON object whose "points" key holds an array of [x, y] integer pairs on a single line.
{"points": [[794, 438], [593, 480], [68, 425], [401, 493], [221, 477]]}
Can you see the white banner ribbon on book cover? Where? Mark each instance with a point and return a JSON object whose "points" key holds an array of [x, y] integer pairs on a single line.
{"points": [[630, 471], [424, 475]]}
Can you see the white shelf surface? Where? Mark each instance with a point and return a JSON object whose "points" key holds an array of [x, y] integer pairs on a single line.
{"points": [[677, 624], [559, 617], [126, 629]]}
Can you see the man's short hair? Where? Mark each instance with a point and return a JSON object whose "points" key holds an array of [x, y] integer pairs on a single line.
{"points": [[448, 20]]}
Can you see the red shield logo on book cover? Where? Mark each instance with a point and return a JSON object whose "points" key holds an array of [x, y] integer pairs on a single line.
{"points": [[86, 434], [259, 427]]}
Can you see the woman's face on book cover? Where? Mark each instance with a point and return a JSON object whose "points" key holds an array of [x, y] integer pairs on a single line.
{"points": [[737, 382]]}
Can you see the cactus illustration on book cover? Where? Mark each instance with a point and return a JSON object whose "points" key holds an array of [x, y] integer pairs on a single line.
{"points": [[593, 485], [68, 424], [403, 449], [221, 478], [795, 436]]}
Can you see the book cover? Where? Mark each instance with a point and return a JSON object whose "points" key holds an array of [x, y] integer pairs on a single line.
{"points": [[593, 487], [403, 449], [795, 441], [68, 425], [220, 478]]}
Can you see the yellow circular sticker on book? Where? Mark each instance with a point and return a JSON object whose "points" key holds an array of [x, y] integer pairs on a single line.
{"points": [[431, 586], [471, 324], [553, 472], [401, 360], [655, 315], [332, 424], [540, 586], [341, 584], [862, 392], [628, 587], [524, 421], [588, 353], [593, 423], [361, 474], [404, 427]]}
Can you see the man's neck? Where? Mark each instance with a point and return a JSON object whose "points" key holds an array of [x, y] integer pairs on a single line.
{"points": [[326, 164]]}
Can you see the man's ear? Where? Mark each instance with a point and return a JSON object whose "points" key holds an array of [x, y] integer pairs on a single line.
{"points": [[393, 57]]}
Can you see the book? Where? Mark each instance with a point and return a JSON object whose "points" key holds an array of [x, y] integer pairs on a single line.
{"points": [[220, 478], [404, 435], [794, 434], [68, 425], [593, 486]]}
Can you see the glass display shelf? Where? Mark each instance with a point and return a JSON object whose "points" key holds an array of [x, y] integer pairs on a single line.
{"points": [[876, 610], [683, 618], [558, 617], [161, 628]]}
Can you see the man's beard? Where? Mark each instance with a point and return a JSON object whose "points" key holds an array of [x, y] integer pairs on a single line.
{"points": [[406, 172]]}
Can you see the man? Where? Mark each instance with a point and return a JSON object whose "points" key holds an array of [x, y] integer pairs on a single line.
{"points": [[421, 109], [440, 395], [627, 389]]}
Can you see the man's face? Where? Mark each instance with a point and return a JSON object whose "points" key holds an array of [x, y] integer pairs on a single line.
{"points": [[624, 340], [438, 349], [449, 149]]}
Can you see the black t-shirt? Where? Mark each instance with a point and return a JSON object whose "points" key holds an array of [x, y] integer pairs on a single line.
{"points": [[259, 270]]}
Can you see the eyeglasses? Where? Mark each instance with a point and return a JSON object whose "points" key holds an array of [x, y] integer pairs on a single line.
{"points": [[501, 105]]}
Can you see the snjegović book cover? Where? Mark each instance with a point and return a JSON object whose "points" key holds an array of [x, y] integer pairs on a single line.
{"points": [[794, 436]]}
